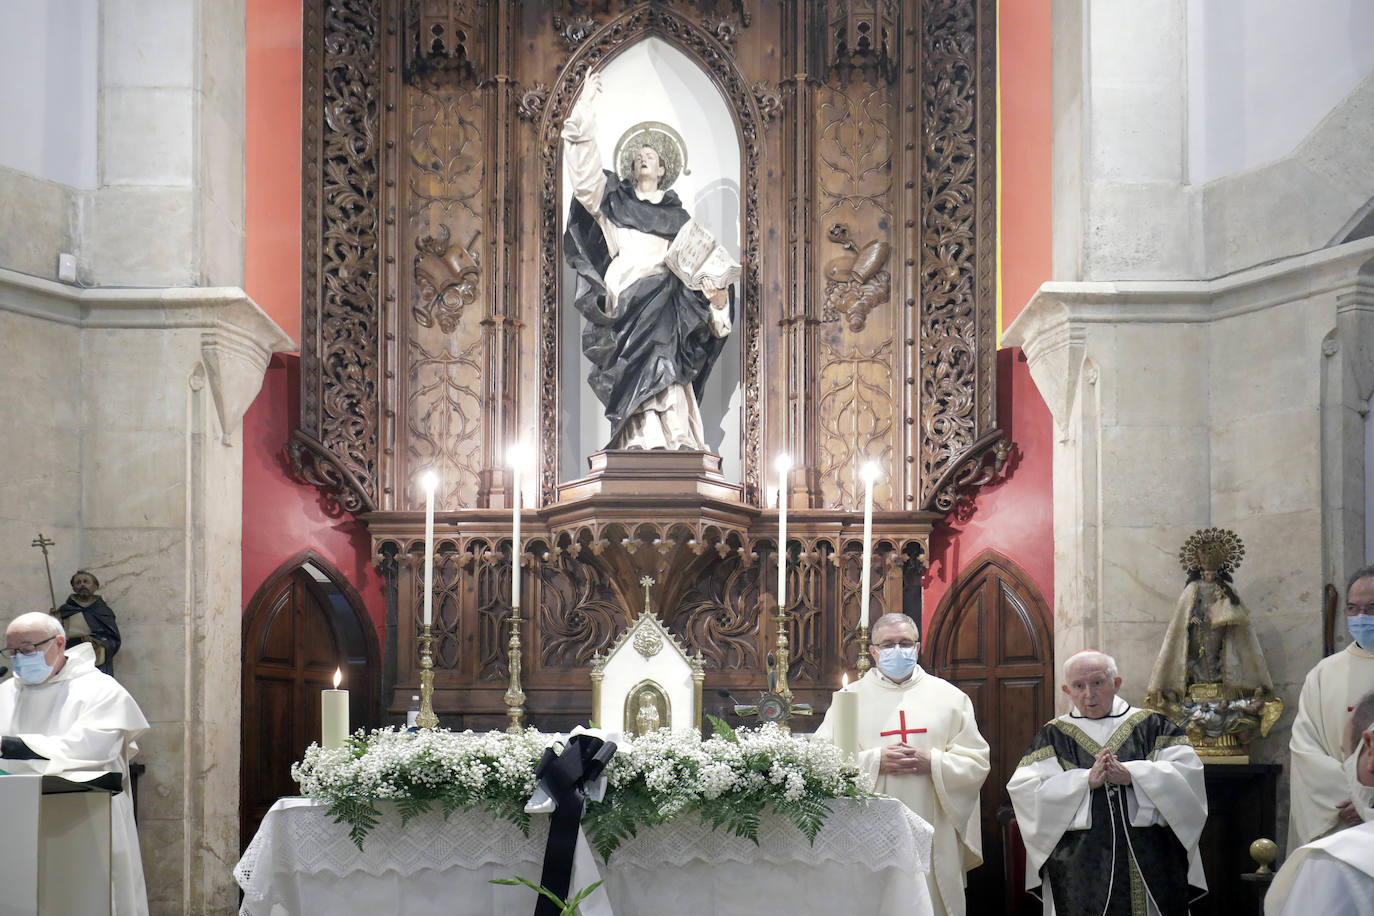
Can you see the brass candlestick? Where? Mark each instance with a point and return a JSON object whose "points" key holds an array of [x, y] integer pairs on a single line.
{"points": [[426, 717], [515, 697], [781, 661], [864, 662]]}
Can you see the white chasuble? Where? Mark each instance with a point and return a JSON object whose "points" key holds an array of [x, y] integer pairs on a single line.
{"points": [[85, 724], [932, 715], [1329, 693], [1332, 875]]}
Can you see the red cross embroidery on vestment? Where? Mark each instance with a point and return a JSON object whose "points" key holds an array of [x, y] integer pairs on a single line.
{"points": [[903, 731]]}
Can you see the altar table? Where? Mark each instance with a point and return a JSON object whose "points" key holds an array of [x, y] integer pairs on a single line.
{"points": [[870, 858]]}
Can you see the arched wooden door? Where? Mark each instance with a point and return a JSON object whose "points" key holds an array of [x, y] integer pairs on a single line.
{"points": [[303, 622], [992, 636]]}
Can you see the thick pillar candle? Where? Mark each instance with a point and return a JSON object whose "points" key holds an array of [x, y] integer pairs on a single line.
{"points": [[844, 706], [430, 482], [870, 474], [334, 714], [784, 464]]}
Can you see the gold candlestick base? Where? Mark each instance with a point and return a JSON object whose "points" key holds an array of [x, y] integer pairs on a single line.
{"points": [[515, 697], [864, 662], [426, 717]]}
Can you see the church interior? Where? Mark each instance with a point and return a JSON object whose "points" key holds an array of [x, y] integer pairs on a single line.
{"points": [[1079, 279]]}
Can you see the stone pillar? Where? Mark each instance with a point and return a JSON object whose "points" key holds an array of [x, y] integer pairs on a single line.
{"points": [[129, 429]]}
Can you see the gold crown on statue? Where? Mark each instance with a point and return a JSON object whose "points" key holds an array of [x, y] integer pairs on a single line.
{"points": [[1212, 548]]}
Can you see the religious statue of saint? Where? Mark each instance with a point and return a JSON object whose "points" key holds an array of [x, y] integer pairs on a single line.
{"points": [[655, 287], [646, 718], [1210, 675], [87, 618]]}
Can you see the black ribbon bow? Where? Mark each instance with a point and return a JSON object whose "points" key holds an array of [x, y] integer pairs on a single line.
{"points": [[565, 777]]}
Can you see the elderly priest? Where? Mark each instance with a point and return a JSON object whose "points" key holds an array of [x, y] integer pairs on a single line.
{"points": [[1110, 801], [918, 741], [60, 716]]}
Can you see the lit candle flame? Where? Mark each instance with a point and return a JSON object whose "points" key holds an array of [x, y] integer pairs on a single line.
{"points": [[783, 463], [870, 471], [844, 680], [338, 676]]}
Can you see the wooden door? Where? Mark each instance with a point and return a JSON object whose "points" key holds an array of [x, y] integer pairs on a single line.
{"points": [[991, 636], [303, 623]]}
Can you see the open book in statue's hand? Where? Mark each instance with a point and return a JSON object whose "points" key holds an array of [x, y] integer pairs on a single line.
{"points": [[696, 257]]}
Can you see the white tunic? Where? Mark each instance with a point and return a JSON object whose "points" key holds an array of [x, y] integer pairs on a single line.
{"points": [[670, 419], [1050, 800], [1332, 688], [947, 798], [86, 724], [1332, 875]]}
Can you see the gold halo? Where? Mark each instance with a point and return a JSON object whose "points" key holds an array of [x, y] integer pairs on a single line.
{"points": [[1209, 548], [667, 142]]}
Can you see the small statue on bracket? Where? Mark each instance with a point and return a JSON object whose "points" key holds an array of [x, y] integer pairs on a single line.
{"points": [[1210, 676], [87, 618]]}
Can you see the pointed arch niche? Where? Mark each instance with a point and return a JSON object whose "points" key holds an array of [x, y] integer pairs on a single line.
{"points": [[304, 621], [653, 80], [993, 637]]}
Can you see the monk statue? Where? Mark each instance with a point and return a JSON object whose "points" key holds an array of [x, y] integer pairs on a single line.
{"points": [[87, 618], [1210, 676], [654, 286]]}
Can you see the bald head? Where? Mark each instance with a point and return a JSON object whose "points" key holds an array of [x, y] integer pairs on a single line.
{"points": [[1091, 681], [36, 623]]}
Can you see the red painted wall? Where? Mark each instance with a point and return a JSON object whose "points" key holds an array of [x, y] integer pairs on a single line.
{"points": [[1015, 517], [282, 518]]}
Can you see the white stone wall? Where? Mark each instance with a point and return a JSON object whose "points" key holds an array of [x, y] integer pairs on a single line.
{"points": [[126, 145], [122, 444]]}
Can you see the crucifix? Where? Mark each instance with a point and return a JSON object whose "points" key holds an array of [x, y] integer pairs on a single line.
{"points": [[902, 730], [775, 705]]}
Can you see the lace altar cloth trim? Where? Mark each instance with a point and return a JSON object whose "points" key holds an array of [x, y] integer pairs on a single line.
{"points": [[298, 835]]}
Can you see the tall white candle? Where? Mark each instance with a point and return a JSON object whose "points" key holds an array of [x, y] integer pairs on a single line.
{"points": [[515, 531], [333, 714], [430, 481], [784, 464], [870, 474], [844, 706]]}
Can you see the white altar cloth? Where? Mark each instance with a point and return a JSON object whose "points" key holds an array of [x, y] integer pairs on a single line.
{"points": [[869, 858]]}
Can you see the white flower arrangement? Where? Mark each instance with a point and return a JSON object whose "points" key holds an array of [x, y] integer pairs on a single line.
{"points": [[729, 779]]}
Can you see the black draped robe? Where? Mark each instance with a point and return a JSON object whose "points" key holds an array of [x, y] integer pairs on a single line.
{"points": [[660, 332]]}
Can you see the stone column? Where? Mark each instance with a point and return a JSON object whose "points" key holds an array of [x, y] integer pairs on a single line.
{"points": [[130, 426]]}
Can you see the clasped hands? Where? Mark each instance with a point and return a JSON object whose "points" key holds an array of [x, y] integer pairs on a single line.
{"points": [[1107, 769], [904, 759]]}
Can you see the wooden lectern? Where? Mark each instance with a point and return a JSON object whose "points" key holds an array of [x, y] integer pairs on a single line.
{"points": [[57, 858]]}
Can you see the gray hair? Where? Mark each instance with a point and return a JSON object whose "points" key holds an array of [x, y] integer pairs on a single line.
{"points": [[896, 620], [1364, 572], [39, 620], [1090, 655]]}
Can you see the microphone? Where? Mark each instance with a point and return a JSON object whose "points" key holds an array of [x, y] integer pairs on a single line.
{"points": [[741, 709], [4, 671]]}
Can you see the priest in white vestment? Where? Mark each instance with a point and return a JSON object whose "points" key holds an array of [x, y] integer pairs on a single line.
{"points": [[1110, 802], [919, 742], [1334, 874], [60, 716], [1318, 800]]}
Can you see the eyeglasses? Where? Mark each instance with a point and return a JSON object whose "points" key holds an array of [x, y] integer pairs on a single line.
{"points": [[1352, 609], [27, 650], [900, 644]]}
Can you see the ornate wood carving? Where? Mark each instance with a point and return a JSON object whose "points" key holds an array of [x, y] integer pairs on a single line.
{"points": [[432, 302]]}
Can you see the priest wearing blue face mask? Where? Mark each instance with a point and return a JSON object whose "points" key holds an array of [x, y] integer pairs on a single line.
{"points": [[919, 742], [60, 716]]}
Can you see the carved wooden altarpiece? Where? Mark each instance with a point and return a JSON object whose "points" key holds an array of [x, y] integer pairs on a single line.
{"points": [[433, 308]]}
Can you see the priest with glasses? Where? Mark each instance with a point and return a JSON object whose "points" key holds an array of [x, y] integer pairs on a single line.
{"points": [[1110, 802], [60, 716]]}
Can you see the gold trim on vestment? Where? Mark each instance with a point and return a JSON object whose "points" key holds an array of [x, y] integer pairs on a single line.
{"points": [[1118, 737], [1164, 741], [1036, 756]]}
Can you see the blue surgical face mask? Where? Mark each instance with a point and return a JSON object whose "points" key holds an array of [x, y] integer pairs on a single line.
{"points": [[1362, 628], [32, 669], [897, 661]]}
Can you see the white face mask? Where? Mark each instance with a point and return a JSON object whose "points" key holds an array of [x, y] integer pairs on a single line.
{"points": [[1361, 795]]}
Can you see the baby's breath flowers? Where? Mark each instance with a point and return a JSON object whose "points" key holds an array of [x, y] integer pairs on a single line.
{"points": [[729, 779]]}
